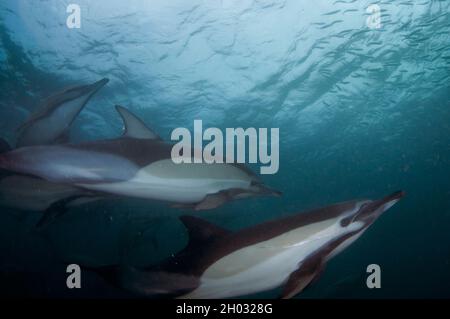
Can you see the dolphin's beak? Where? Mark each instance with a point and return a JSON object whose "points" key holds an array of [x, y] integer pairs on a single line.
{"points": [[91, 89], [390, 200], [374, 209], [94, 87], [393, 197]]}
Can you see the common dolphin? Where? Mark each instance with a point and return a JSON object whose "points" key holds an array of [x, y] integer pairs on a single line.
{"points": [[52, 119], [137, 164], [289, 252], [50, 123], [32, 194]]}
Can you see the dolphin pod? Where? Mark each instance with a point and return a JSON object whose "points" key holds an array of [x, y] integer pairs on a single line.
{"points": [[137, 164], [291, 252], [50, 123]]}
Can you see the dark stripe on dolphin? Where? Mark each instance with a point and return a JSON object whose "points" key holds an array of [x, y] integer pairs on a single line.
{"points": [[142, 152]]}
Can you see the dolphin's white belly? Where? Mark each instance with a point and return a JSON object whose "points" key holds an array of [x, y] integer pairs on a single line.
{"points": [[268, 264], [164, 180], [172, 190], [263, 276], [114, 174]]}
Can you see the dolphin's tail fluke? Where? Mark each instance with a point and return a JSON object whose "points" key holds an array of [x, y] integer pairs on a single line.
{"points": [[152, 284]]}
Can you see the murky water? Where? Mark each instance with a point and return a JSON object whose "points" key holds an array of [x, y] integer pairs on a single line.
{"points": [[362, 111]]}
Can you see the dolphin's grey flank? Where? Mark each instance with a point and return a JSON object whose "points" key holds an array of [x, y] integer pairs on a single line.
{"points": [[51, 121], [138, 164], [289, 252]]}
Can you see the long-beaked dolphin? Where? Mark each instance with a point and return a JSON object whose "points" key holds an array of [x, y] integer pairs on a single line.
{"points": [[52, 119], [137, 164], [290, 252]]}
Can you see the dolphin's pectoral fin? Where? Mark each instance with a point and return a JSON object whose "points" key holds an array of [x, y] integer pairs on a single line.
{"points": [[134, 127], [81, 200], [61, 207], [183, 206], [201, 230], [209, 202], [308, 273], [54, 211], [4, 146], [212, 201], [63, 138]]}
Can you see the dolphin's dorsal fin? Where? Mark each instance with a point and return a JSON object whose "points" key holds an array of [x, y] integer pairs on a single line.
{"points": [[201, 230], [134, 127]]}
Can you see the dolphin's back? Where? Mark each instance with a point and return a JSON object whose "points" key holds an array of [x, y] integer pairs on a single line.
{"points": [[84, 163]]}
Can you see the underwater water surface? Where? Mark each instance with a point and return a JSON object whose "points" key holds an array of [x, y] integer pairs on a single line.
{"points": [[362, 112]]}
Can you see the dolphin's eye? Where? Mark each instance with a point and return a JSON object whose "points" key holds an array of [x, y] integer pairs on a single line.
{"points": [[346, 221], [349, 219]]}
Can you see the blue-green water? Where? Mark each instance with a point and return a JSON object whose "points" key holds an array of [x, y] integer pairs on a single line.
{"points": [[362, 112]]}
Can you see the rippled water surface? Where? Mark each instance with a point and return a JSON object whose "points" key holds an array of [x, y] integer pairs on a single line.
{"points": [[362, 112]]}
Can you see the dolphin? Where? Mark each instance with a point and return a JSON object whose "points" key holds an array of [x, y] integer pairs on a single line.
{"points": [[50, 123], [137, 164], [28, 193], [37, 195], [290, 252], [32, 194], [54, 116]]}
